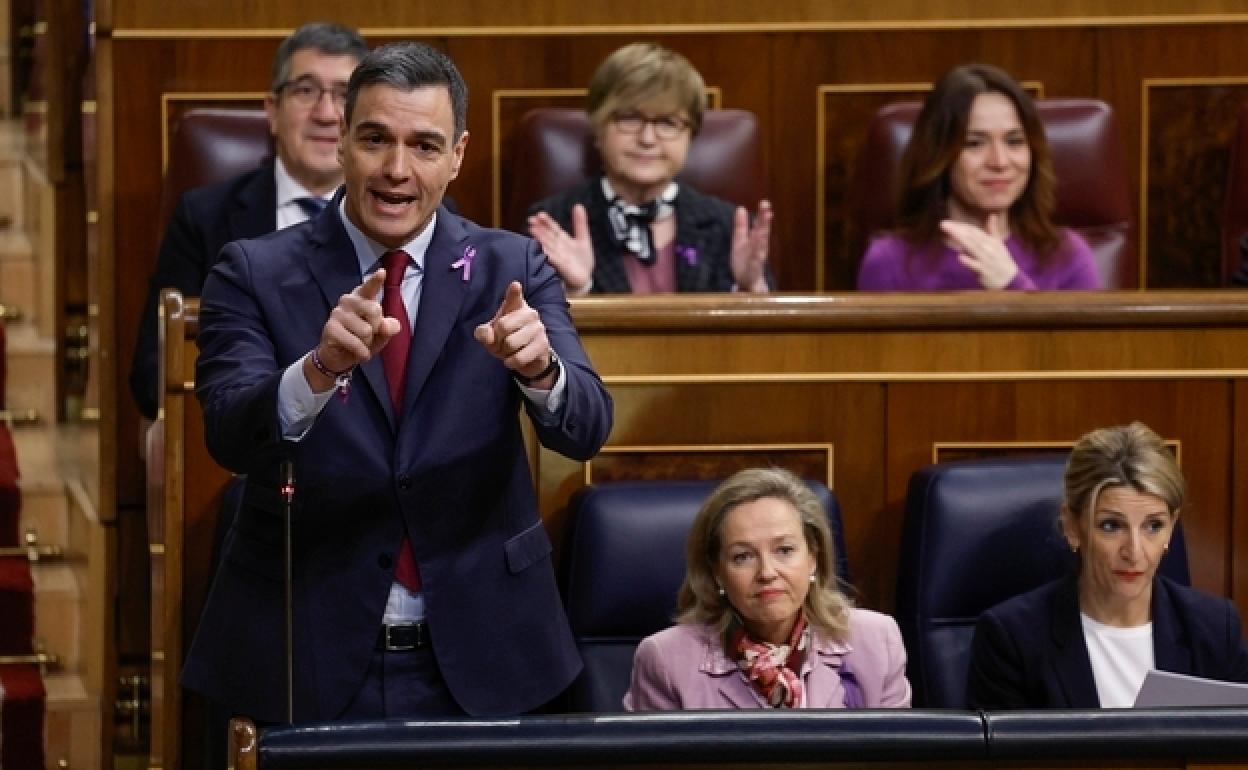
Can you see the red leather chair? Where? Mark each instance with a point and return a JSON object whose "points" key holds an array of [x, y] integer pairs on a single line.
{"points": [[212, 144], [1093, 190], [553, 150], [1235, 213]]}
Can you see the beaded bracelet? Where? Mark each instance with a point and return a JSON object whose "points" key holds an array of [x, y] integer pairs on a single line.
{"points": [[342, 380]]}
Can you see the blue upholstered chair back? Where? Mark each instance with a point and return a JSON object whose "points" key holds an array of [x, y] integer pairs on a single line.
{"points": [[623, 567], [976, 533]]}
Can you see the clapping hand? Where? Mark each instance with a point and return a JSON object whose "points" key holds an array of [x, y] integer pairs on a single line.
{"points": [[982, 250], [572, 256], [750, 245]]}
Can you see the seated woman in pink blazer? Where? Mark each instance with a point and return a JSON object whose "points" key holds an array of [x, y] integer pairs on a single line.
{"points": [[760, 620]]}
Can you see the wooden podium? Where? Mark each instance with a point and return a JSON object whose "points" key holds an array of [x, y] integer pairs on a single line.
{"points": [[857, 390]]}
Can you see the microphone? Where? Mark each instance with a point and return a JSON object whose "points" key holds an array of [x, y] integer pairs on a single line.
{"points": [[287, 490]]}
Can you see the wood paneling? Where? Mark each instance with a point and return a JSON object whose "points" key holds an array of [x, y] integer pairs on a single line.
{"points": [[470, 16], [860, 391], [787, 75], [1188, 127]]}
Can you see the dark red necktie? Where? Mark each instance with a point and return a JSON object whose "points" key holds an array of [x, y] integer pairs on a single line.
{"points": [[394, 362]]}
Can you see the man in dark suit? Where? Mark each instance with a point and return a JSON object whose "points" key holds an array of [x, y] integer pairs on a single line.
{"points": [[304, 106], [422, 571]]}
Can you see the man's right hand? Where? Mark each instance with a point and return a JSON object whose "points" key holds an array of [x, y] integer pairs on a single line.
{"points": [[355, 331], [572, 256]]}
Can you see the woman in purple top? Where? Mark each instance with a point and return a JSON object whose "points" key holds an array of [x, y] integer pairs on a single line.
{"points": [[977, 198]]}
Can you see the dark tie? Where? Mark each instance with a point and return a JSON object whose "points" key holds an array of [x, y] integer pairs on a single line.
{"points": [[312, 206], [394, 362]]}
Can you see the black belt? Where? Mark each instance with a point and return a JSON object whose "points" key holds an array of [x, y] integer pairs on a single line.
{"points": [[403, 637]]}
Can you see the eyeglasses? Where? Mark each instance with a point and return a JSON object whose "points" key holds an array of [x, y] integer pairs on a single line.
{"points": [[308, 92], [665, 126]]}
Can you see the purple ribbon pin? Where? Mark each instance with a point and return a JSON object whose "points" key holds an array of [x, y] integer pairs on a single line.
{"points": [[688, 253], [466, 262]]}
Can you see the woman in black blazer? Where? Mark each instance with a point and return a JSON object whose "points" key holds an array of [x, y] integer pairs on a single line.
{"points": [[1087, 640], [636, 229]]}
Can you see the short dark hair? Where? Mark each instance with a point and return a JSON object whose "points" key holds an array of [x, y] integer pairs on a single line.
{"points": [[328, 38], [937, 141], [408, 66]]}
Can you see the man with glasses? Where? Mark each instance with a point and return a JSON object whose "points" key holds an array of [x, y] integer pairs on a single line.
{"points": [[304, 108], [636, 229]]}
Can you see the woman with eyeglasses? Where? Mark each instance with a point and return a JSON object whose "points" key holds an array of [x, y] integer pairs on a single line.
{"points": [[636, 229]]}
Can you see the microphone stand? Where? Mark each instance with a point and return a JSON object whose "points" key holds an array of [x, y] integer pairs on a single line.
{"points": [[288, 501]]}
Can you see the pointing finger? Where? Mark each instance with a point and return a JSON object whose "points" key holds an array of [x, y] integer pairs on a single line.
{"points": [[513, 301], [372, 285]]}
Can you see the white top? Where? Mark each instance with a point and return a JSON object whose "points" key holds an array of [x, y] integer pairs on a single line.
{"points": [[1121, 658]]}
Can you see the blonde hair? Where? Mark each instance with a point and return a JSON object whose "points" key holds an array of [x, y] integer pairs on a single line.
{"points": [[699, 602], [645, 72], [1122, 456]]}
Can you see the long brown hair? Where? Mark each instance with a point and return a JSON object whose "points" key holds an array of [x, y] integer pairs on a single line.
{"points": [[937, 141]]}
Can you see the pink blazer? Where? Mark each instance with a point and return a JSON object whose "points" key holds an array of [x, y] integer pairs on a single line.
{"points": [[684, 667]]}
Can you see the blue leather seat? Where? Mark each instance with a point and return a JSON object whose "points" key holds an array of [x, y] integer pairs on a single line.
{"points": [[976, 533], [623, 567]]}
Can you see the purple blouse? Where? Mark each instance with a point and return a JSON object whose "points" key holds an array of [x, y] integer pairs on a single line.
{"points": [[935, 267]]}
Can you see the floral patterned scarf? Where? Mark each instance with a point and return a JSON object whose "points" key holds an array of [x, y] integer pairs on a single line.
{"points": [[771, 668]]}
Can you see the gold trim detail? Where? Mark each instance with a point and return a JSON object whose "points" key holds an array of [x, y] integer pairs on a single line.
{"points": [[827, 448], [937, 446], [32, 659], [877, 377], [19, 417], [821, 156], [903, 25], [496, 139], [168, 97], [1145, 85]]}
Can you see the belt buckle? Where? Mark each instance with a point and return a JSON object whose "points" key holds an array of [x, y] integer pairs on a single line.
{"points": [[392, 646]]}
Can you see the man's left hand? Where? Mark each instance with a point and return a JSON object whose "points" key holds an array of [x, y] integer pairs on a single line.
{"points": [[517, 337]]}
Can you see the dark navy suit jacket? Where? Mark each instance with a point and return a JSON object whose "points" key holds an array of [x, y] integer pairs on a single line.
{"points": [[703, 223], [1029, 651], [206, 218], [450, 467]]}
